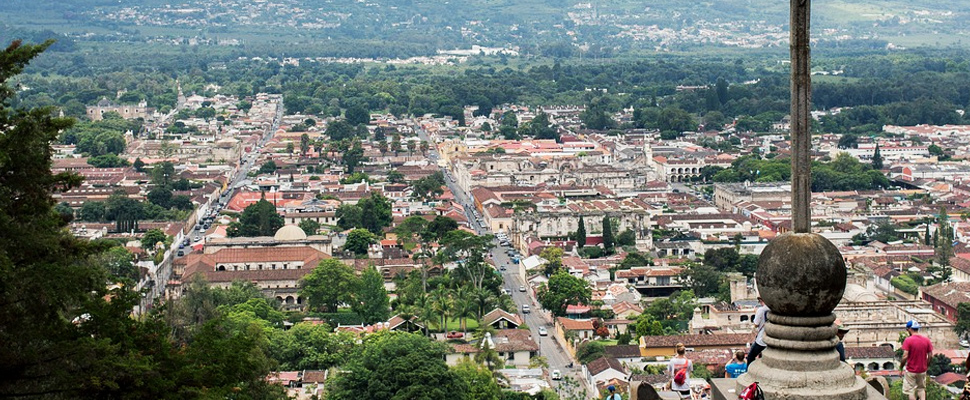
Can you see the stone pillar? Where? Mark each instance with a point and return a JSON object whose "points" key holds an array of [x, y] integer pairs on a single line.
{"points": [[801, 278]]}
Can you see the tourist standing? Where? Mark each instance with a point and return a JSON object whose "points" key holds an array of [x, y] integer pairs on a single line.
{"points": [[737, 366], [917, 350], [760, 319], [679, 370], [841, 346]]}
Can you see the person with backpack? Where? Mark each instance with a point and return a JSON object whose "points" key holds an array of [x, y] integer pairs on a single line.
{"points": [[737, 366], [679, 370], [613, 395]]}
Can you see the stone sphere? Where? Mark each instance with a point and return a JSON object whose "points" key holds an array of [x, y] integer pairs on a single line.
{"points": [[801, 274]]}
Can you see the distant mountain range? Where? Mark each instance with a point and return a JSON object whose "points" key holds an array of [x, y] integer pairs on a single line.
{"points": [[561, 28]]}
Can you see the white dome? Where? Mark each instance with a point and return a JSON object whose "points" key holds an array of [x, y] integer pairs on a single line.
{"points": [[289, 233], [857, 294]]}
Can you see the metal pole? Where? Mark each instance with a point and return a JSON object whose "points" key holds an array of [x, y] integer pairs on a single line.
{"points": [[801, 102]]}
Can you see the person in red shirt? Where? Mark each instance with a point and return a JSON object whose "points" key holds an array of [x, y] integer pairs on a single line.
{"points": [[917, 350]]}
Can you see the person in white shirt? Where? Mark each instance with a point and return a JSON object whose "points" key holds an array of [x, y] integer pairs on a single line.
{"points": [[679, 364], [760, 319]]}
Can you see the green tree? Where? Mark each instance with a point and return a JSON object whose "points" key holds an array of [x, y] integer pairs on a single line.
{"points": [[163, 173], [268, 167], [371, 301], [647, 326], [339, 130], [152, 238], [92, 211], [359, 240], [349, 216], [963, 319], [704, 280], [161, 195], [357, 116], [257, 219], [304, 144], [395, 177], [479, 380], [563, 290], [375, 213], [589, 351], [626, 238], [331, 283], [581, 233], [877, 158], [943, 246], [410, 231], [553, 256], [395, 365], [429, 188], [139, 165], [607, 235], [309, 227], [440, 226]]}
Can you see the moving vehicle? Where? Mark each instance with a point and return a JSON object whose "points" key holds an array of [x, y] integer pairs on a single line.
{"points": [[556, 375], [543, 331], [526, 309], [522, 288]]}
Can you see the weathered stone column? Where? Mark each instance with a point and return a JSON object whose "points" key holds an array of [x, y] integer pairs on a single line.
{"points": [[801, 278]]}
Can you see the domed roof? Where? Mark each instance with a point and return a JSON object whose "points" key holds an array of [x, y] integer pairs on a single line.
{"points": [[857, 294], [289, 233]]}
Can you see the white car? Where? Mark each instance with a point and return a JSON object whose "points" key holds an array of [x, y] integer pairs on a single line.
{"points": [[521, 288], [526, 309], [556, 375], [542, 331]]}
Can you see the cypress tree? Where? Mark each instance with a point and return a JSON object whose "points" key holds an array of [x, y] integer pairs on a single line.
{"points": [[607, 235], [877, 159], [581, 233]]}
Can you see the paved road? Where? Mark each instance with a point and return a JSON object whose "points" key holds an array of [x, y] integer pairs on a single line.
{"points": [[549, 347]]}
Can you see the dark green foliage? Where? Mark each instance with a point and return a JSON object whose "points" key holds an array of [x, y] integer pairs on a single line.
{"points": [[331, 283], [590, 351], [963, 319], [563, 290], [309, 226], [268, 167], [581, 233], [153, 237], [370, 300], [75, 338], [440, 226], [607, 235], [626, 238], [393, 365], [100, 137], [107, 161], [877, 159], [258, 219], [429, 187], [359, 240], [843, 173], [357, 115]]}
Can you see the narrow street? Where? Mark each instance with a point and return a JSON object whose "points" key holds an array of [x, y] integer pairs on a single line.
{"points": [[549, 347]]}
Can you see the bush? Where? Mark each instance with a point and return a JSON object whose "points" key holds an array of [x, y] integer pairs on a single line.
{"points": [[591, 252]]}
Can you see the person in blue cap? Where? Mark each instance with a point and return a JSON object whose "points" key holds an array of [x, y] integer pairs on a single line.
{"points": [[613, 394]]}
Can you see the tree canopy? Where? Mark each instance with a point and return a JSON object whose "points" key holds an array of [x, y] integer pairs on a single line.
{"points": [[257, 219]]}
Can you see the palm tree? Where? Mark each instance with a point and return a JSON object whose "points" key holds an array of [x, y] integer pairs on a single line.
{"points": [[464, 307], [482, 300], [442, 304], [424, 312]]}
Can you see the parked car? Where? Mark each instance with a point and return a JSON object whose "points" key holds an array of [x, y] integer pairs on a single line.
{"points": [[521, 288], [556, 375], [181, 253], [525, 309], [455, 335], [543, 331]]}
